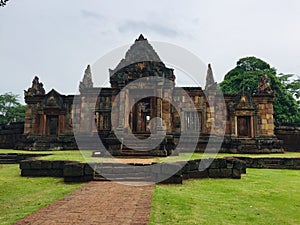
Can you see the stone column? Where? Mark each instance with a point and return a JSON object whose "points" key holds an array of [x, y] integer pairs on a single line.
{"points": [[84, 116], [121, 110], [159, 127]]}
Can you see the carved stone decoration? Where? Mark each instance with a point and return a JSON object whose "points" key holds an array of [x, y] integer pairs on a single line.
{"points": [[210, 80], [52, 100], [264, 86], [140, 60], [243, 101], [87, 81], [140, 51], [36, 88]]}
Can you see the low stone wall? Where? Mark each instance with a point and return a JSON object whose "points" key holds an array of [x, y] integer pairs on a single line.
{"points": [[272, 163], [82, 172], [290, 136], [10, 135], [219, 168], [15, 158], [43, 168]]}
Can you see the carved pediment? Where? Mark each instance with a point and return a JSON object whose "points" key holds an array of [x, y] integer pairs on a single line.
{"points": [[53, 100], [243, 101]]}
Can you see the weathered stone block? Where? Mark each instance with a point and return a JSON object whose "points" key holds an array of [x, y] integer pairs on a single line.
{"points": [[296, 162], [58, 164], [36, 165], [172, 180], [204, 164], [106, 169], [185, 176], [185, 166], [222, 163], [46, 164], [170, 168], [156, 168], [236, 174], [27, 173], [198, 174], [225, 173], [214, 164], [74, 170], [88, 169], [193, 165], [25, 164], [239, 164], [41, 173], [214, 173], [79, 179]]}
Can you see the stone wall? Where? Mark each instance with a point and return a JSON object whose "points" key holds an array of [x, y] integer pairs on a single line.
{"points": [[15, 158], [272, 163], [43, 168], [82, 172], [290, 136], [10, 134]]}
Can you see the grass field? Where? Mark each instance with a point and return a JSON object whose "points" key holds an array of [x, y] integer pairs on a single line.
{"points": [[20, 196], [86, 156], [260, 197]]}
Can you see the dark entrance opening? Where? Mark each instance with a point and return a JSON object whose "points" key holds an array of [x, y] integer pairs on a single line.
{"points": [[141, 116], [244, 126], [52, 125]]}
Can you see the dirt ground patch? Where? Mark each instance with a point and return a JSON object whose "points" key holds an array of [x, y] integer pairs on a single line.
{"points": [[105, 203]]}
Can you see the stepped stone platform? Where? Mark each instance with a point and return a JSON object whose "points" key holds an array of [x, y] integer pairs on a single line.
{"points": [[139, 172], [15, 158]]}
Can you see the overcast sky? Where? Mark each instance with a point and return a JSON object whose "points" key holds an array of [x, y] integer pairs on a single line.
{"points": [[56, 39]]}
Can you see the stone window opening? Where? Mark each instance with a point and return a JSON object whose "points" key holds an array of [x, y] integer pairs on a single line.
{"points": [[191, 121]]}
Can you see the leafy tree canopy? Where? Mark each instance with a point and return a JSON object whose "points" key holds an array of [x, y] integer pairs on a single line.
{"points": [[3, 3], [246, 76], [11, 109]]}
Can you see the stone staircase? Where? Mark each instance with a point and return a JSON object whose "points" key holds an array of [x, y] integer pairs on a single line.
{"points": [[8, 158], [121, 173], [15, 158], [138, 150]]}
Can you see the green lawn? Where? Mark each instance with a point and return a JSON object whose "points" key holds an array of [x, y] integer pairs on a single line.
{"points": [[20, 196], [73, 155], [260, 197], [192, 156], [86, 156]]}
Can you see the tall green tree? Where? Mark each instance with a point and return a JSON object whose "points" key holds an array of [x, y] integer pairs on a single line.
{"points": [[292, 84], [3, 3], [11, 109], [246, 76]]}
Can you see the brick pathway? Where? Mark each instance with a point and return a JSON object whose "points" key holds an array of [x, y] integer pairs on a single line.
{"points": [[105, 203]]}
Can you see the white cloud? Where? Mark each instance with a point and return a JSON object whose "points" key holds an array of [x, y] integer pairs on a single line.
{"points": [[56, 39]]}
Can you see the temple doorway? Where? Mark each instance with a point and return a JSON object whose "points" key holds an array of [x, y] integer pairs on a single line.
{"points": [[244, 126], [52, 125], [140, 116]]}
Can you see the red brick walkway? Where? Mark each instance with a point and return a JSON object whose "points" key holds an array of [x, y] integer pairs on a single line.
{"points": [[105, 203]]}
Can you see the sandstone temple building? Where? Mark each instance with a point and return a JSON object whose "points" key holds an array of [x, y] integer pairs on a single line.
{"points": [[52, 117]]}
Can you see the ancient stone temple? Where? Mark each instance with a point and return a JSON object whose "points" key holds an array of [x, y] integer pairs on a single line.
{"points": [[110, 113]]}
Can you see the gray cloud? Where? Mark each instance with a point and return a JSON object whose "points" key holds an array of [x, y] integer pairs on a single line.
{"points": [[91, 15], [141, 26]]}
